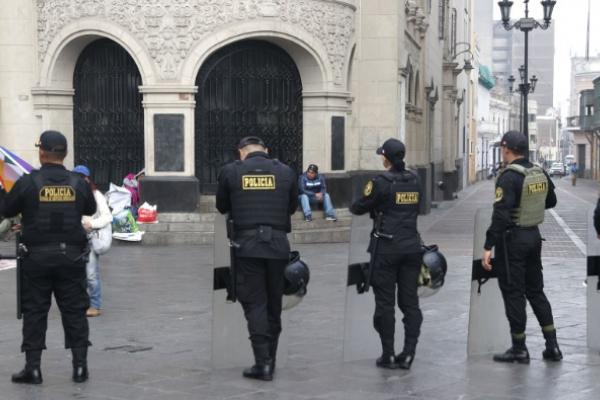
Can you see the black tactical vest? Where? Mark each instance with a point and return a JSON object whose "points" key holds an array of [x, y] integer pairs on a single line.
{"points": [[260, 194], [57, 218], [400, 209]]}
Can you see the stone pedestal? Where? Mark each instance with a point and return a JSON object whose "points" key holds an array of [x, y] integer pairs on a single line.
{"points": [[170, 193], [169, 148]]}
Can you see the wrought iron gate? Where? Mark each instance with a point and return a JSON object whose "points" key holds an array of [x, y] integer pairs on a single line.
{"points": [[247, 88], [108, 116]]}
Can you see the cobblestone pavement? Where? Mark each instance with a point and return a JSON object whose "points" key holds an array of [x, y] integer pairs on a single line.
{"points": [[153, 340]]}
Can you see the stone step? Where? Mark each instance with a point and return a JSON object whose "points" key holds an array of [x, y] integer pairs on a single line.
{"points": [[320, 223], [197, 228], [175, 238], [297, 225], [332, 235], [340, 235], [168, 227], [186, 217]]}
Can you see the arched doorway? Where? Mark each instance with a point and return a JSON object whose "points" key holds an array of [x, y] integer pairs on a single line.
{"points": [[108, 117], [247, 88]]}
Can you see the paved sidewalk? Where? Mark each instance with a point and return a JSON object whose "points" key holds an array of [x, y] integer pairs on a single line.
{"points": [[153, 341]]}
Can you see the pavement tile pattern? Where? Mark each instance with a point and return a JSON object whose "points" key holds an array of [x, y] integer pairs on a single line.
{"points": [[153, 340]]}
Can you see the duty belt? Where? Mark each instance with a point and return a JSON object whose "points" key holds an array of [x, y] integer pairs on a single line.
{"points": [[72, 251], [524, 228], [249, 229]]}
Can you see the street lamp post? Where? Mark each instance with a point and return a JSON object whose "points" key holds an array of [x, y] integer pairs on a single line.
{"points": [[526, 25], [525, 88]]}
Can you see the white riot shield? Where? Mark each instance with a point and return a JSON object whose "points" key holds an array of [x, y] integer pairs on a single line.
{"points": [[488, 325], [593, 285], [361, 341], [230, 344]]}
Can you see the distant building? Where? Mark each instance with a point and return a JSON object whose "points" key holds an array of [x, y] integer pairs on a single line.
{"points": [[548, 140], [583, 115], [508, 55]]}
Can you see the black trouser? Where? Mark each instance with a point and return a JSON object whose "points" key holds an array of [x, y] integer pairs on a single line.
{"points": [[67, 280], [523, 278], [260, 291], [389, 271]]}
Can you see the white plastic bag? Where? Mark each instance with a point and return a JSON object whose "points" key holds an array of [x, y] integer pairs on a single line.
{"points": [[118, 198], [101, 239]]}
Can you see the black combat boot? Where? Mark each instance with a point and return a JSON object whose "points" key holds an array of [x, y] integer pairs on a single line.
{"points": [[517, 353], [274, 342], [405, 359], [387, 359], [80, 370], [552, 352], [32, 373], [262, 369]]}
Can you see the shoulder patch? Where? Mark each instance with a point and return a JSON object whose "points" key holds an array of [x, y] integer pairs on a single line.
{"points": [[368, 189], [499, 194]]}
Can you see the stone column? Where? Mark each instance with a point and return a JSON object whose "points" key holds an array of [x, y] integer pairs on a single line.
{"points": [[19, 128], [54, 106], [323, 113], [450, 140], [170, 180]]}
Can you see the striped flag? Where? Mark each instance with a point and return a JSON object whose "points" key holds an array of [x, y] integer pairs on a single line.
{"points": [[11, 168]]}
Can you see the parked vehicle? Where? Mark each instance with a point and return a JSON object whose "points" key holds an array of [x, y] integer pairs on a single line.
{"points": [[557, 169], [569, 159]]}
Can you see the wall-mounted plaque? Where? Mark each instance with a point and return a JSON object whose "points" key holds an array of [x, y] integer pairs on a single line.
{"points": [[168, 142]]}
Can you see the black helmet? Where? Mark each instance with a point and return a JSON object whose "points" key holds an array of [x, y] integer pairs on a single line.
{"points": [[433, 271], [296, 276]]}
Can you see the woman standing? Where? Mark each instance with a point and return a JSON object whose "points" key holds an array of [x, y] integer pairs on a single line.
{"points": [[99, 220]]}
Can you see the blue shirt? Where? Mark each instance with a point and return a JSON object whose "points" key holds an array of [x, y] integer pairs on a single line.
{"points": [[310, 187]]}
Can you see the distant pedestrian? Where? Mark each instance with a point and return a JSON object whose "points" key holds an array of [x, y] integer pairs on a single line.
{"points": [[99, 220], [574, 171]]}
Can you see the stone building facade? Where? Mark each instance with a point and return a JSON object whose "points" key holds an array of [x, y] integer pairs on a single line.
{"points": [[171, 85]]}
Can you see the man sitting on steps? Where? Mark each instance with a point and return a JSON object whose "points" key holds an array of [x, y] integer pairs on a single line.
{"points": [[313, 190]]}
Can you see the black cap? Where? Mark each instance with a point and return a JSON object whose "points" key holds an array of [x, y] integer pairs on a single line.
{"points": [[248, 140], [313, 167], [53, 141], [393, 150], [515, 141]]}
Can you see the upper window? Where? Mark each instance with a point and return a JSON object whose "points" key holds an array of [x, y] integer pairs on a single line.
{"points": [[443, 5]]}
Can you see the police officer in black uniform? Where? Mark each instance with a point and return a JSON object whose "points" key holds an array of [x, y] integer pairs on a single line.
{"points": [[51, 201], [396, 194], [260, 194], [523, 192]]}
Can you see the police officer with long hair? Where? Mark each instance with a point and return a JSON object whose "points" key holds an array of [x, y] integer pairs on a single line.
{"points": [[260, 194], [523, 192], [394, 197], [51, 201]]}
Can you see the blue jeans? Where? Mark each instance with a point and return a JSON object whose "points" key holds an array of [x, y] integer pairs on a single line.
{"points": [[94, 286], [306, 201]]}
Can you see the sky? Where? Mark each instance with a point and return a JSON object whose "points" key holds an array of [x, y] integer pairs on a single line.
{"points": [[570, 17]]}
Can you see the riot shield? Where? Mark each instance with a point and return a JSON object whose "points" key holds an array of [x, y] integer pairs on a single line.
{"points": [[9, 259], [488, 326], [361, 341], [230, 345], [593, 285]]}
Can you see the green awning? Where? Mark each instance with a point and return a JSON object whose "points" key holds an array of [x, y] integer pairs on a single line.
{"points": [[485, 77]]}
